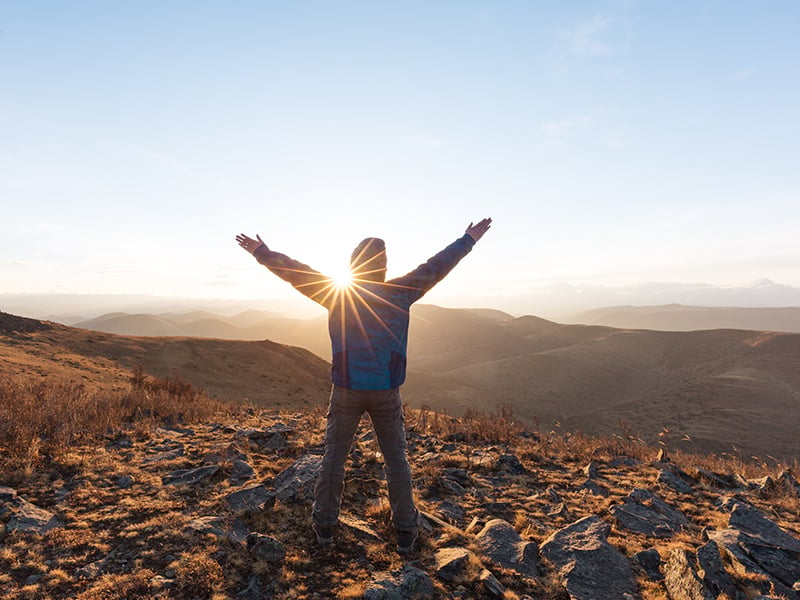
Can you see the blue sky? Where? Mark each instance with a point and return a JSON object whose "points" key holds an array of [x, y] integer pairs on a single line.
{"points": [[614, 143]]}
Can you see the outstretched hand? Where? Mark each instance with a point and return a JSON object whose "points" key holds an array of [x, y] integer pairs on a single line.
{"points": [[476, 231], [250, 244]]}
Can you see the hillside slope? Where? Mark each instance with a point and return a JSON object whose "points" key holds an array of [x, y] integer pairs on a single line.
{"points": [[261, 372]]}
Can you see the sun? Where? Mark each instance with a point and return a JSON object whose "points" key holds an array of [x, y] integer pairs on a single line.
{"points": [[343, 279]]}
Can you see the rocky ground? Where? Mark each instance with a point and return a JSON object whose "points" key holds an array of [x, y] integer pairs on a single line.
{"points": [[221, 510]]}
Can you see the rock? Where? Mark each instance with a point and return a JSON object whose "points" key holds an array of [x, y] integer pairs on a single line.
{"points": [[643, 512], [276, 442], [765, 485], [681, 578], [624, 461], [266, 548], [124, 482], [711, 569], [297, 482], [7, 494], [451, 563], [511, 464], [206, 526], [451, 487], [94, 569], [164, 456], [591, 471], [590, 486], [559, 510], [189, 476], [728, 542], [360, 528], [28, 518], [770, 547], [591, 568], [409, 583], [672, 480], [460, 476], [255, 497], [33, 579], [241, 472], [491, 584], [717, 479], [453, 513], [649, 563], [252, 591], [501, 543]]}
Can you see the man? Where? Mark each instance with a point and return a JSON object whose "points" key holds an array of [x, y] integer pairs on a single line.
{"points": [[368, 325]]}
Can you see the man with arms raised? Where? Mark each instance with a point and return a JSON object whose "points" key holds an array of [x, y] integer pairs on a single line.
{"points": [[368, 325]]}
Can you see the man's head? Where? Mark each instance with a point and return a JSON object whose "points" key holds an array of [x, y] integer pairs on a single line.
{"points": [[368, 260]]}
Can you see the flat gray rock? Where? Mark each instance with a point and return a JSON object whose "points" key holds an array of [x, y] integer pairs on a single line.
{"points": [[409, 583], [501, 543], [591, 568], [450, 563], [251, 498], [189, 476], [297, 482], [28, 518], [646, 513]]}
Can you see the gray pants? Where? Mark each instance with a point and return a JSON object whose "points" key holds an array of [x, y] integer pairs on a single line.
{"points": [[385, 408]]}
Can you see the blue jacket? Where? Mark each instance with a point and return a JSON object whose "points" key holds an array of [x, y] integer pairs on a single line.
{"points": [[368, 320]]}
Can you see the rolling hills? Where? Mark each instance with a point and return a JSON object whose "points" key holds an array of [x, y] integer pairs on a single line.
{"points": [[720, 390]]}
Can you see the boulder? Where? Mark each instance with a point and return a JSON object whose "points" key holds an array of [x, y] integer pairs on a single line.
{"points": [[491, 584], [241, 471], [266, 548], [712, 571], [649, 563], [451, 563], [591, 568], [297, 482], [681, 578], [669, 478], [500, 542], [646, 513]]}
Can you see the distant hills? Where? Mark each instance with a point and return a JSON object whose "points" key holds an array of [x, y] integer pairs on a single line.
{"points": [[677, 317], [723, 390]]}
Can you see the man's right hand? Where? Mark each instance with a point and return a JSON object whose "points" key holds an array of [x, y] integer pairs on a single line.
{"points": [[249, 243], [476, 231]]}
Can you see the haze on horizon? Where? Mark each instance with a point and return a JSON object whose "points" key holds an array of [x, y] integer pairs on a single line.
{"points": [[625, 150]]}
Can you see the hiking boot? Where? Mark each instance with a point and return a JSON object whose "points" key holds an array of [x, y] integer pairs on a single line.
{"points": [[405, 541], [324, 534]]}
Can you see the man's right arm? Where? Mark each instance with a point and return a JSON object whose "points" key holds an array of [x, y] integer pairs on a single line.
{"points": [[303, 278]]}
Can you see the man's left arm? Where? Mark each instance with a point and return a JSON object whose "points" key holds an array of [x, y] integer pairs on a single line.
{"points": [[428, 274]]}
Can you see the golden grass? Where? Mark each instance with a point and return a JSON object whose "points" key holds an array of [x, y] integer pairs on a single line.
{"points": [[41, 417]]}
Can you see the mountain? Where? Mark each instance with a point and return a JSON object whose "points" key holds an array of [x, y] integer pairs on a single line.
{"points": [[677, 317], [713, 391], [262, 372]]}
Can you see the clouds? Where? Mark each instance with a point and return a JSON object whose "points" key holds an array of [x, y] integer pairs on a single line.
{"points": [[593, 37]]}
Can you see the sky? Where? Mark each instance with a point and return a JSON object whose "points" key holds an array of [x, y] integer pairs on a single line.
{"points": [[617, 145]]}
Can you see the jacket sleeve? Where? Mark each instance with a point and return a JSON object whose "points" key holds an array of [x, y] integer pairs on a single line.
{"points": [[303, 278], [428, 274]]}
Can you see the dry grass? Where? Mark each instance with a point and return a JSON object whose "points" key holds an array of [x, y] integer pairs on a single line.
{"points": [[146, 523], [46, 417]]}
